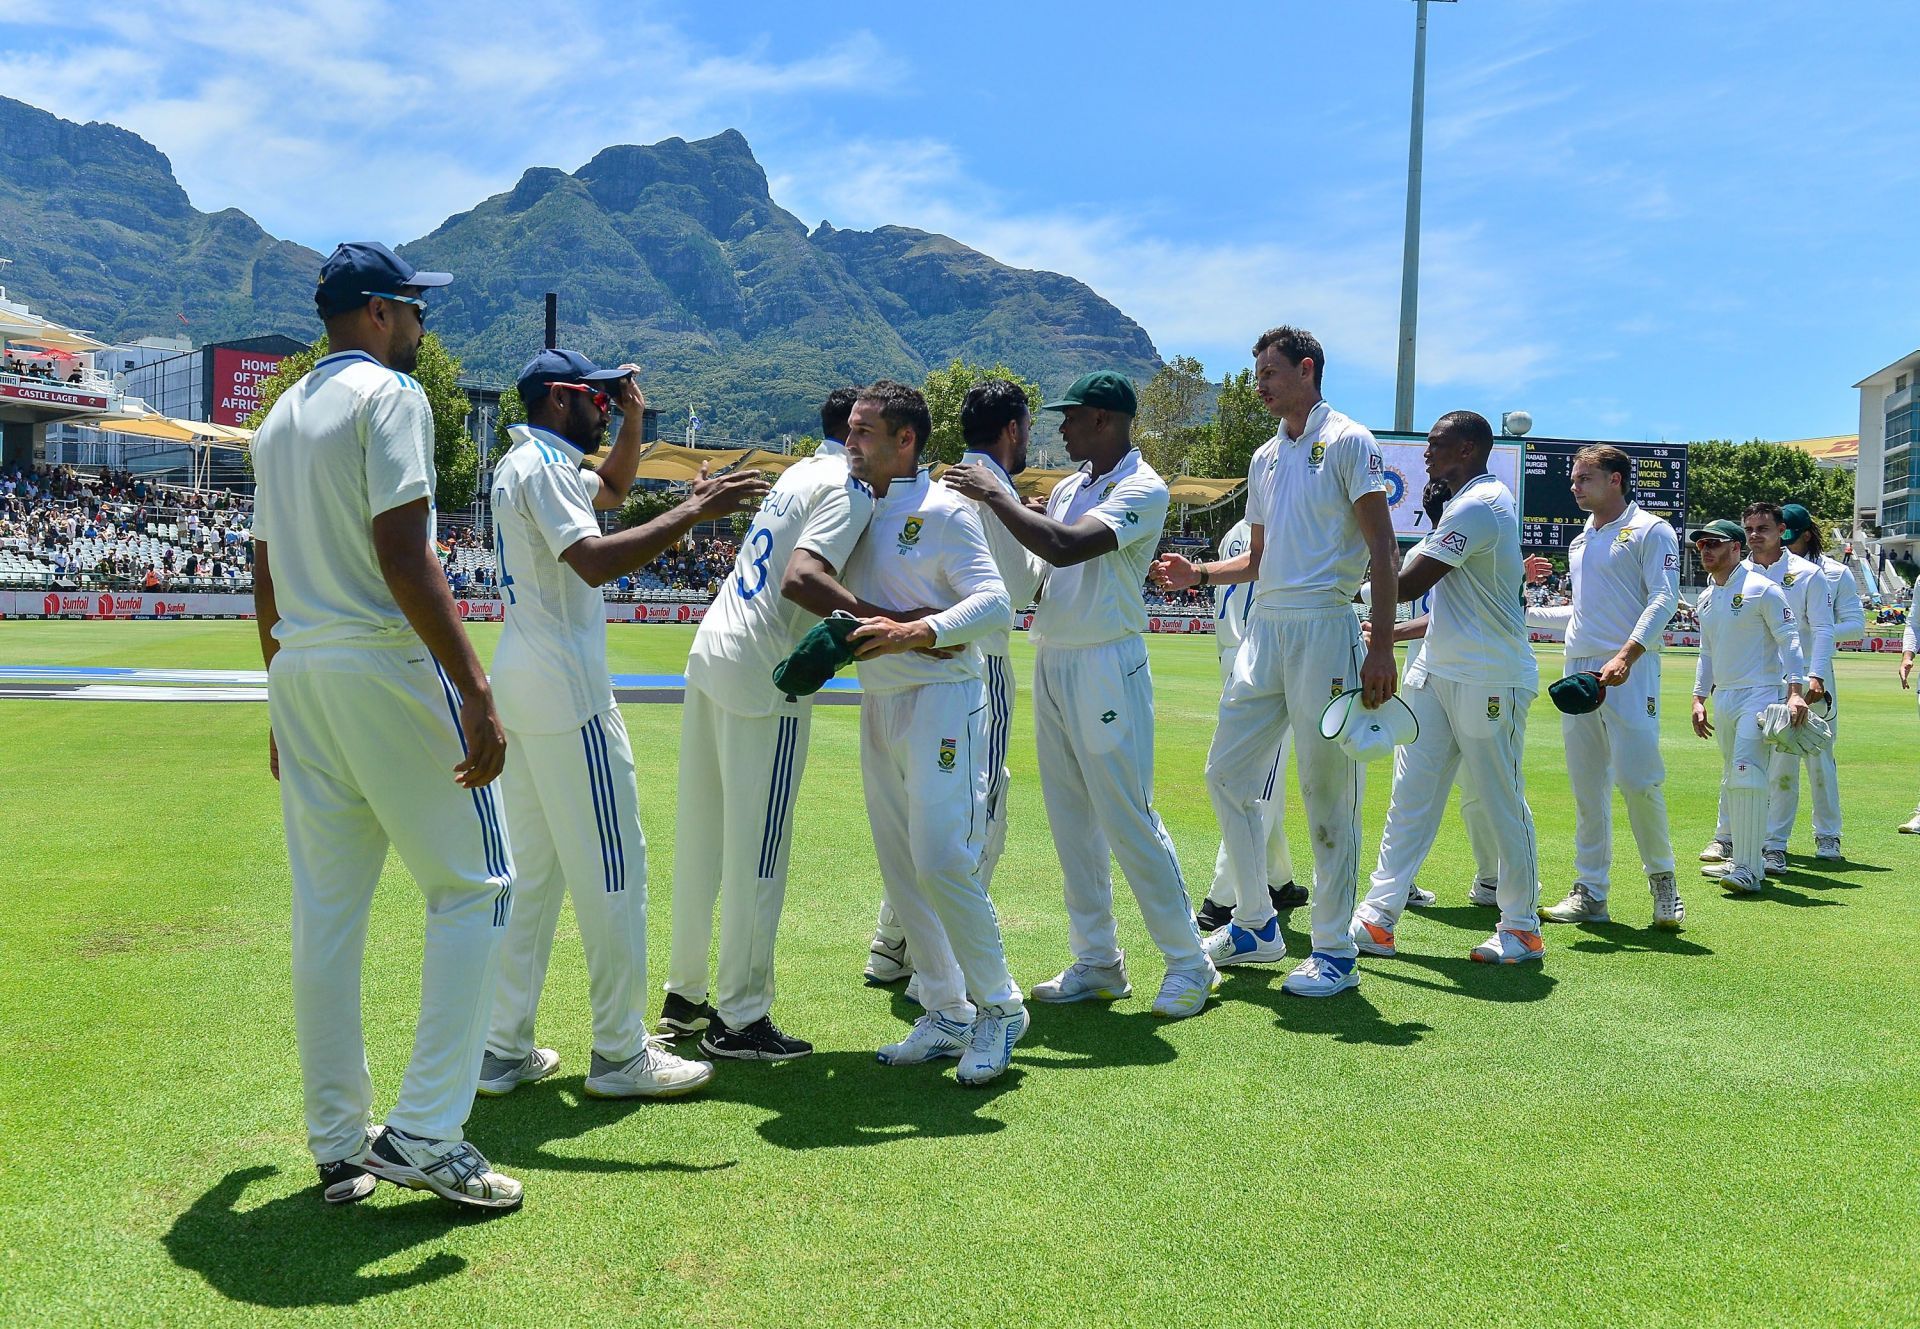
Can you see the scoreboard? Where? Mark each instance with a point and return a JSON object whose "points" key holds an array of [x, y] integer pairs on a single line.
{"points": [[1549, 516]]}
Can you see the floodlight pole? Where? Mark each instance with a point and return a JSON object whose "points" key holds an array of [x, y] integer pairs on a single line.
{"points": [[1410, 268]]}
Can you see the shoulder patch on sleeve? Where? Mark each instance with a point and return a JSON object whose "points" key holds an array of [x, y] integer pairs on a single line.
{"points": [[1456, 541]]}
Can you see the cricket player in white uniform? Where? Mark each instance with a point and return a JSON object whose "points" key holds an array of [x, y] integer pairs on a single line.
{"points": [[384, 732], [924, 751], [743, 745], [995, 421], [1093, 699], [1625, 568], [1748, 646], [1469, 690], [1804, 540], [1319, 488], [1230, 606], [1909, 647], [1809, 598], [572, 806]]}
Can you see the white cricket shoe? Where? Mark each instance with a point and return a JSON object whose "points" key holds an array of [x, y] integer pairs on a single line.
{"points": [[1716, 870], [1740, 881], [1669, 910], [1419, 899], [1085, 982], [887, 962], [1911, 826], [1508, 947], [655, 1073], [1717, 851], [990, 1046], [1234, 944], [1185, 994], [1371, 938], [1484, 892], [931, 1037], [502, 1075], [452, 1169], [1321, 976], [1827, 848], [1580, 906], [1773, 861]]}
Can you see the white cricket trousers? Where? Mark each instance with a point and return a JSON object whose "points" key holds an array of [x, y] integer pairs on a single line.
{"points": [[1273, 811], [1823, 774], [999, 683], [924, 759], [732, 838], [1744, 762], [574, 814], [1093, 726], [368, 740], [1479, 731], [1617, 746], [1290, 665]]}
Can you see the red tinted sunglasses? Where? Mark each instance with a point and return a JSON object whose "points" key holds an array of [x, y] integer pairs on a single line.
{"points": [[600, 399]]}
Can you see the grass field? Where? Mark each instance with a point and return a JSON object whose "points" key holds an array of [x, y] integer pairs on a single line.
{"points": [[1714, 1127]]}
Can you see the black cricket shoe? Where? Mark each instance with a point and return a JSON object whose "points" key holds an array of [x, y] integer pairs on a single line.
{"points": [[680, 1018], [759, 1041], [1287, 897], [345, 1182], [1212, 917]]}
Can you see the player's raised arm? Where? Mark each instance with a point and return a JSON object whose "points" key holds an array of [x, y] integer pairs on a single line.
{"points": [[622, 462]]}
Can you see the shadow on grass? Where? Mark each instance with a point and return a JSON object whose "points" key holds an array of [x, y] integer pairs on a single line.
{"points": [[835, 1100], [515, 1130], [1460, 976], [1619, 938], [1777, 892], [1347, 1018], [1466, 917], [1091, 1035], [300, 1251]]}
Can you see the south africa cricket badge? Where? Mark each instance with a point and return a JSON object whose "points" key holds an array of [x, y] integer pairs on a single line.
{"points": [[948, 753], [1652, 707], [1339, 685], [1493, 708]]}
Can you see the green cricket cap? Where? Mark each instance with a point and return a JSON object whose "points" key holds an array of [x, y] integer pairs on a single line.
{"points": [[1577, 694], [820, 654], [1797, 520], [1720, 530], [1103, 389]]}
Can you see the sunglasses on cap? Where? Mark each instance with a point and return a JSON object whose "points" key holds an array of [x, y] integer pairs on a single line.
{"points": [[419, 305], [600, 399]]}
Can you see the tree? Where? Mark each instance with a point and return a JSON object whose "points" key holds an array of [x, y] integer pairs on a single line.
{"points": [[1167, 426], [804, 447], [1240, 424], [1723, 477], [945, 390], [456, 462]]}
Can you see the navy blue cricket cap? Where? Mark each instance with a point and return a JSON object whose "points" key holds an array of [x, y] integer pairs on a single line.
{"points": [[363, 268], [558, 366]]}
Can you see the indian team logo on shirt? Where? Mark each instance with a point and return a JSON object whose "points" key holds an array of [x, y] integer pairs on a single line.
{"points": [[948, 753], [910, 534], [1493, 708]]}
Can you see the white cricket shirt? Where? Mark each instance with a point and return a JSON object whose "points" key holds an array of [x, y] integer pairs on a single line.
{"points": [[1302, 490], [1020, 569], [1104, 598], [1811, 600], [750, 627], [1849, 615], [925, 547], [1626, 583], [1748, 637], [550, 673], [1230, 603], [351, 440], [1477, 631]]}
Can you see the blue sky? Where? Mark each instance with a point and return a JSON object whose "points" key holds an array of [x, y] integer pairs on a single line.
{"points": [[1642, 219]]}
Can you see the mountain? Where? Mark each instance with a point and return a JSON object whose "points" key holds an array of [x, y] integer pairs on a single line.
{"points": [[673, 255]]}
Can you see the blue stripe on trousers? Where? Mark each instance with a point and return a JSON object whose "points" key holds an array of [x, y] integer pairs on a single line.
{"points": [[492, 846], [777, 795], [598, 795]]}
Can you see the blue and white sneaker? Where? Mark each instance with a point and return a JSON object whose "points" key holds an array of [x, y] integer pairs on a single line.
{"points": [[932, 1036], [990, 1046], [1321, 976], [1234, 944]]}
